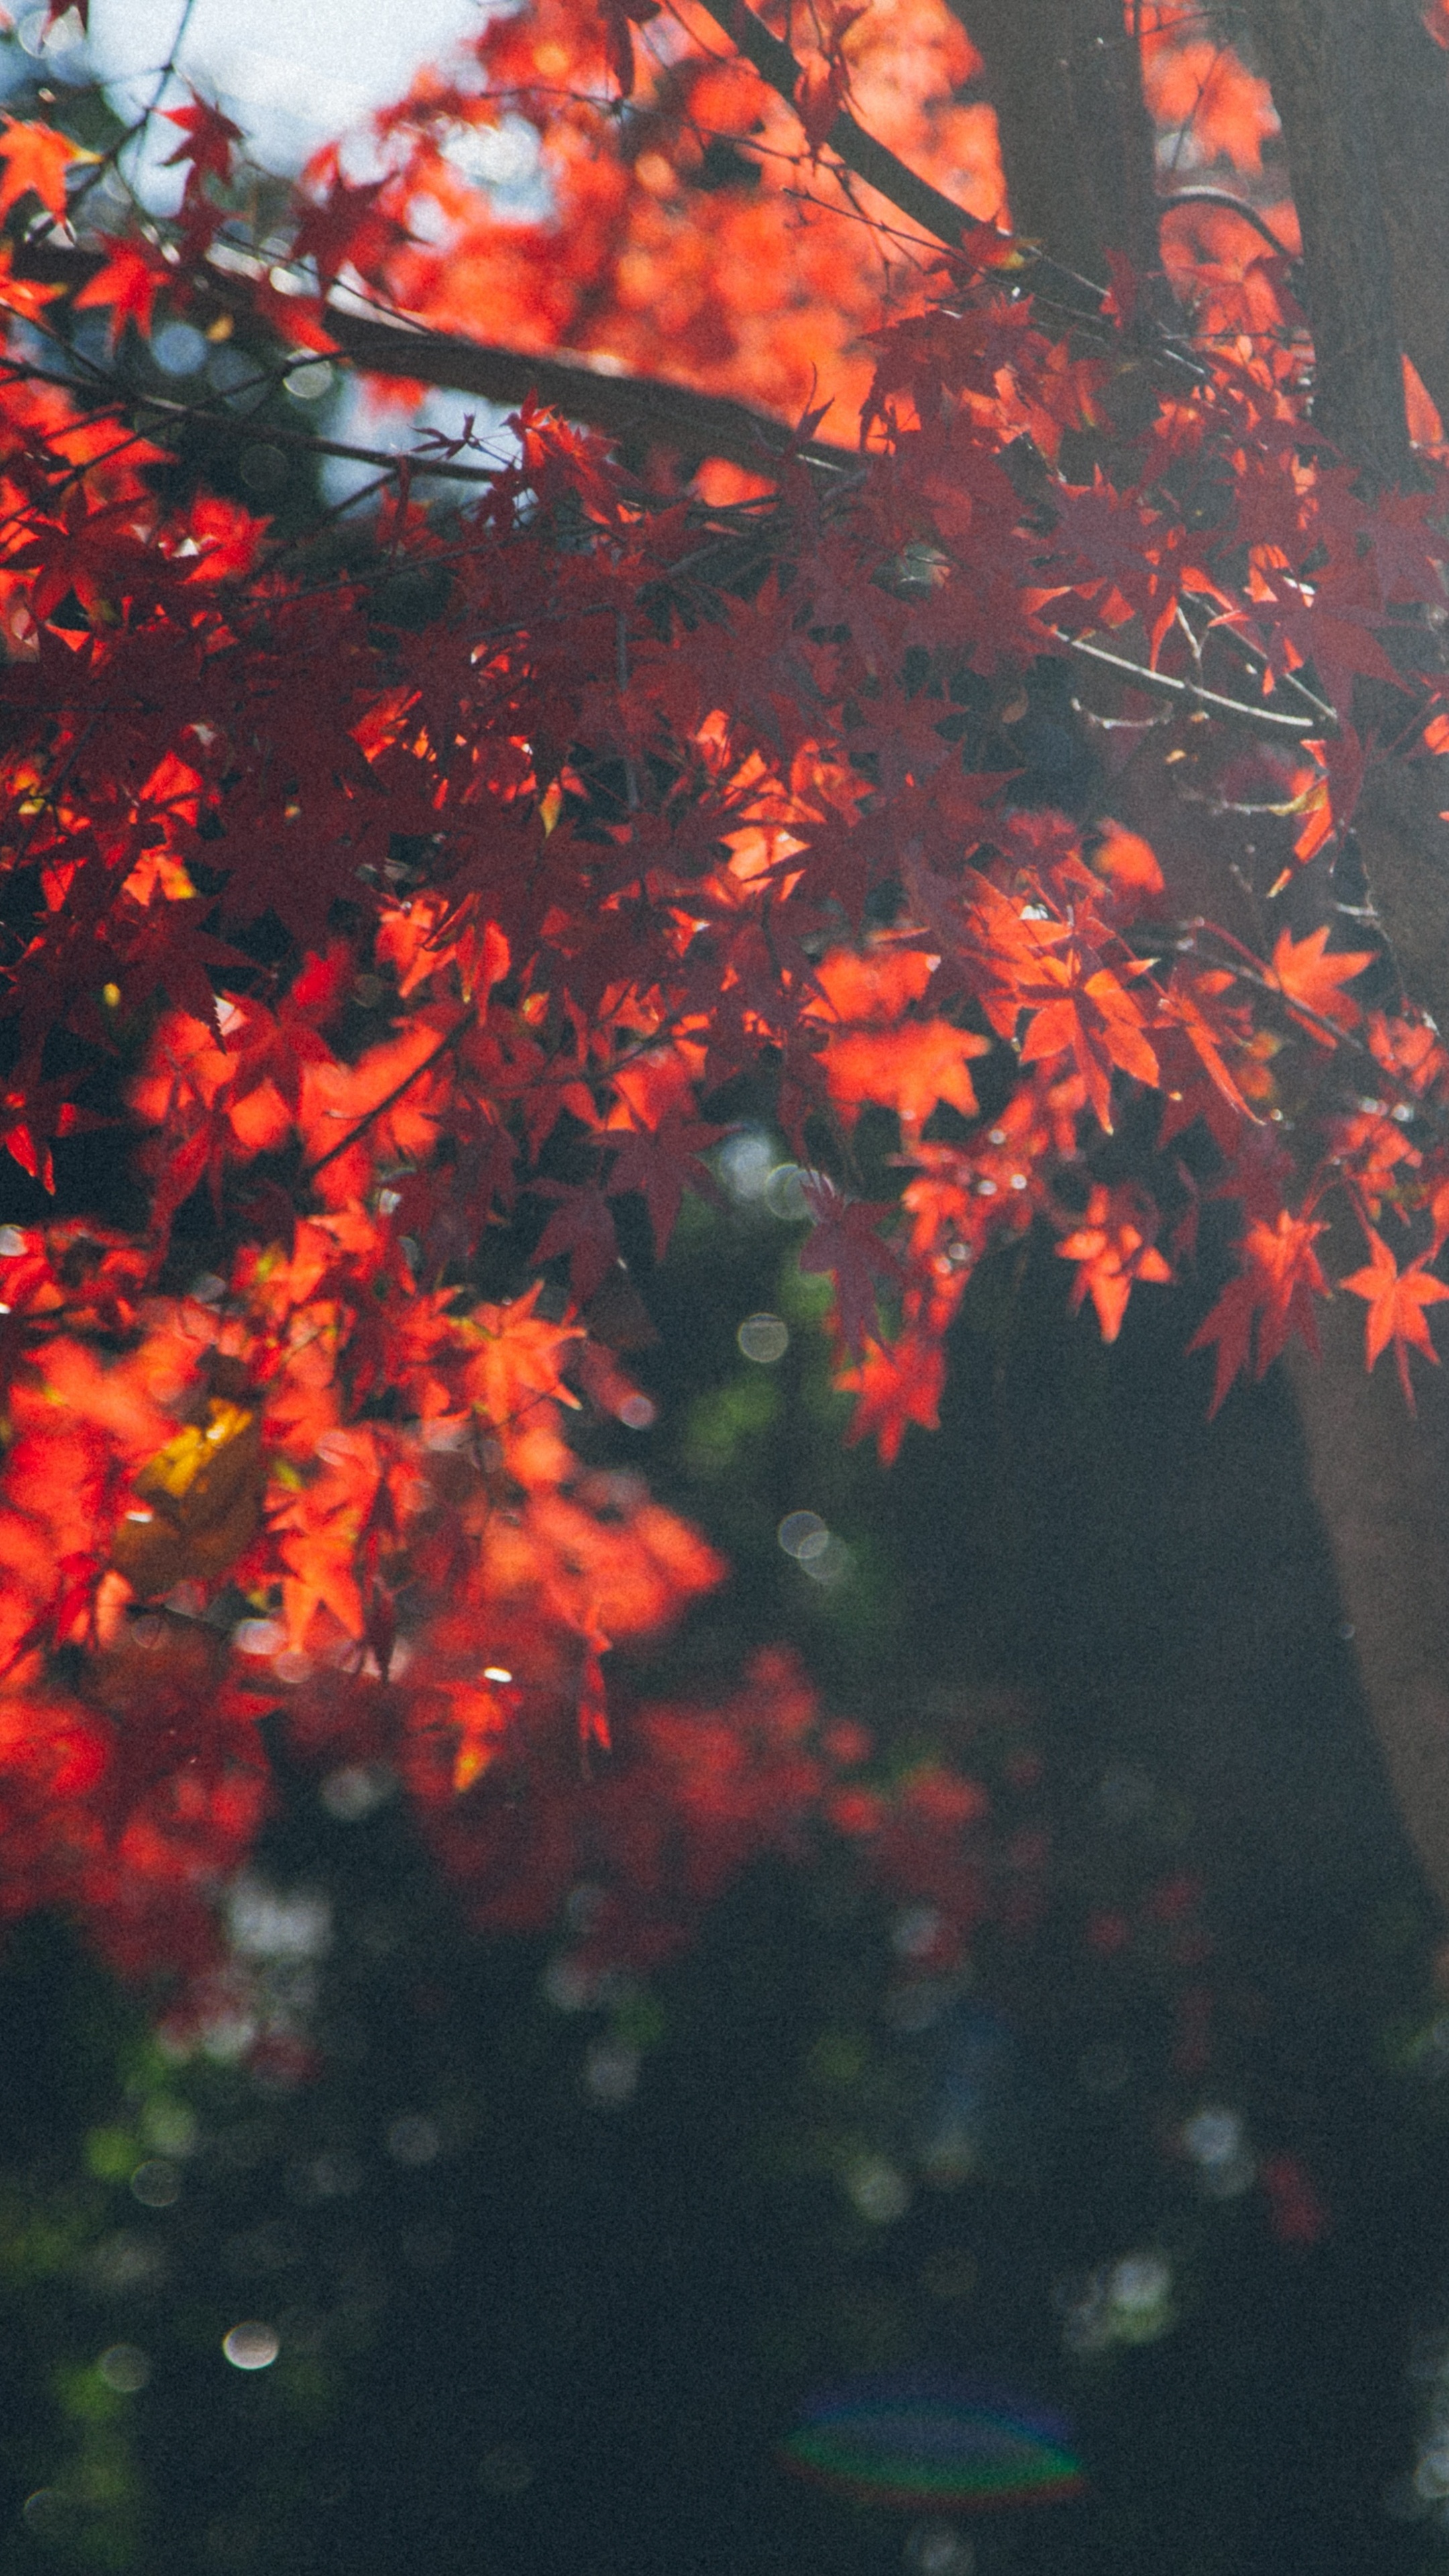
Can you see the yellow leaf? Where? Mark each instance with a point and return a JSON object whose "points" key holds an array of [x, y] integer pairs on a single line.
{"points": [[198, 1502]]}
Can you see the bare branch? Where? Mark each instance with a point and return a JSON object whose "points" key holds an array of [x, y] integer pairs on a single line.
{"points": [[1245, 709]]}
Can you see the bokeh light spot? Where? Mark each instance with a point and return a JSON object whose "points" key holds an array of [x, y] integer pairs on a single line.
{"points": [[356, 1791], [156, 2184], [764, 1339], [124, 2367], [803, 1535], [413, 2140], [939, 2549], [878, 2190], [251, 2345], [611, 2073], [785, 1193], [50, 2513], [745, 1165], [178, 349]]}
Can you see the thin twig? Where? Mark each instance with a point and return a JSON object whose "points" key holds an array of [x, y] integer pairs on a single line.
{"points": [[1146, 678], [391, 1098]]}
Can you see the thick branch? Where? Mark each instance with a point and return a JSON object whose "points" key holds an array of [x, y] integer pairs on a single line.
{"points": [[1404, 842], [634, 408], [1408, 100], [638, 408]]}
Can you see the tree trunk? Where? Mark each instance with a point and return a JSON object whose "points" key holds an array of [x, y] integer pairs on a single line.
{"points": [[1066, 83], [1372, 192], [1315, 53], [1406, 85], [1365, 115], [1380, 1480]]}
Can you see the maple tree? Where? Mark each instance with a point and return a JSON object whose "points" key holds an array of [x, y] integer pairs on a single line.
{"points": [[418, 897]]}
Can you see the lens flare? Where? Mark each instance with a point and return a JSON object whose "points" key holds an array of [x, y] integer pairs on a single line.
{"points": [[917, 2440]]}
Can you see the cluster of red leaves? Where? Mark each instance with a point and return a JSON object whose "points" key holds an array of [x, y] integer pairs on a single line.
{"points": [[204, 1459], [615, 828], [436, 1577], [698, 1794]]}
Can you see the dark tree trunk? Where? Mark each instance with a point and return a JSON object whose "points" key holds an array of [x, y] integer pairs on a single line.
{"points": [[1363, 95], [1380, 1480], [1065, 80], [1316, 55], [1406, 86]]}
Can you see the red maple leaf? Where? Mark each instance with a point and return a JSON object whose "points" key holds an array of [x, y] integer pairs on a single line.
{"points": [[821, 91], [23, 295], [209, 137], [620, 18], [132, 278], [1272, 1298], [898, 1383], [1396, 1302], [661, 1164], [346, 227], [582, 1225], [1083, 1009], [34, 1113]]}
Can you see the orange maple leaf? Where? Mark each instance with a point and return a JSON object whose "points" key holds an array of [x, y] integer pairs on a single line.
{"points": [[1305, 976], [898, 1383], [908, 1070], [36, 160], [1085, 1010], [876, 986], [129, 284], [1113, 1247], [1396, 1302], [1129, 865]]}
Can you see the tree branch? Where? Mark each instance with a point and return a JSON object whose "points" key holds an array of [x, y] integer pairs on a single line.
{"points": [[873, 162], [1379, 1477], [1143, 677], [622, 406]]}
